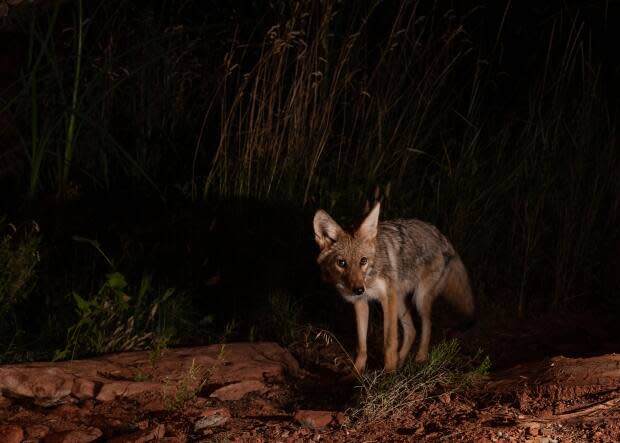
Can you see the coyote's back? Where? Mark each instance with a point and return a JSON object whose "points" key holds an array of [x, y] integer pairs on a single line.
{"points": [[412, 252], [388, 262]]}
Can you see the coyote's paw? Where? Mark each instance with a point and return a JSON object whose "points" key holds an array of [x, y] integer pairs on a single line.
{"points": [[421, 357], [360, 364], [391, 361]]}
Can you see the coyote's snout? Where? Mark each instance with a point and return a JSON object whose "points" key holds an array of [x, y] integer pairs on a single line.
{"points": [[388, 262]]}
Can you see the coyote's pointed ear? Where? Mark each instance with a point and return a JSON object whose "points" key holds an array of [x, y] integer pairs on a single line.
{"points": [[368, 228], [326, 230]]}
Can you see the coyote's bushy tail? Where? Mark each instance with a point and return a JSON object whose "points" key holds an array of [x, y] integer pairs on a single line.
{"points": [[457, 289]]}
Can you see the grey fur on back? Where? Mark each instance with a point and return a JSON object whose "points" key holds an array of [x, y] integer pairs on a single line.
{"points": [[410, 250], [406, 247]]}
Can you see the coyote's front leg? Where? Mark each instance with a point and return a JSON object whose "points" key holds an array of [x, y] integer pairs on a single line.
{"points": [[361, 317], [390, 330]]}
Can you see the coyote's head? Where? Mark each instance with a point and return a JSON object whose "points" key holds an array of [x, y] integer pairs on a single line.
{"points": [[346, 257]]}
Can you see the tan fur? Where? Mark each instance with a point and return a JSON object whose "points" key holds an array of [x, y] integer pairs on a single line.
{"points": [[388, 262], [457, 289]]}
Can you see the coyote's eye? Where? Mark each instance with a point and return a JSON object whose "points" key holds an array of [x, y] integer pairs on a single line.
{"points": [[342, 263], [363, 261]]}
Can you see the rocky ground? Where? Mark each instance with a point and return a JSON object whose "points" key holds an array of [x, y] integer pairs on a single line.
{"points": [[260, 392]]}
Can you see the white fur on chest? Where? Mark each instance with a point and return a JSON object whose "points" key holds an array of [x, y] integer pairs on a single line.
{"points": [[375, 290]]}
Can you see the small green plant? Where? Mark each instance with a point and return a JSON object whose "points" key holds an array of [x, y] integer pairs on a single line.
{"points": [[176, 395], [159, 344], [447, 370], [142, 376], [230, 330], [112, 320], [19, 257]]}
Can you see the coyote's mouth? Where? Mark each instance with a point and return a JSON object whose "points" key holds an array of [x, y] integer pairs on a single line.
{"points": [[349, 294]]}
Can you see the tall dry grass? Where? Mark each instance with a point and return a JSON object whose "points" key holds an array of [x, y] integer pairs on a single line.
{"points": [[512, 154]]}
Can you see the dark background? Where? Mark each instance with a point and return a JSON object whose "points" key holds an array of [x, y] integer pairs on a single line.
{"points": [[185, 145]]}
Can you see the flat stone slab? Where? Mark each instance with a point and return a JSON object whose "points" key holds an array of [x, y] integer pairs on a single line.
{"points": [[128, 374]]}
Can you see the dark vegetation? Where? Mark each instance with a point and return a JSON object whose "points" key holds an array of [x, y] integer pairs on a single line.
{"points": [[160, 162]]}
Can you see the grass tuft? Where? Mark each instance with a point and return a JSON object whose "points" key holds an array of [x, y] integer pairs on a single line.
{"points": [[176, 395], [383, 394]]}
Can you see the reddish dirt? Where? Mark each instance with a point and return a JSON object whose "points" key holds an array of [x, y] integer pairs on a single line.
{"points": [[259, 392]]}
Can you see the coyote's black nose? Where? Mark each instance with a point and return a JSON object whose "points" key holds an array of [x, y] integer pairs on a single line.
{"points": [[358, 291]]}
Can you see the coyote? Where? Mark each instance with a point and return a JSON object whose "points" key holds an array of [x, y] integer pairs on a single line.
{"points": [[387, 261]]}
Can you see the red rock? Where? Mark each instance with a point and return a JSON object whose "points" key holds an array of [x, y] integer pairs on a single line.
{"points": [[155, 405], [47, 385], [11, 434], [532, 428], [83, 389], [74, 436], [68, 410], [236, 391], [110, 391], [212, 417], [13, 381], [143, 425], [245, 365], [51, 385], [36, 432], [145, 436], [5, 402], [255, 361], [314, 419]]}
